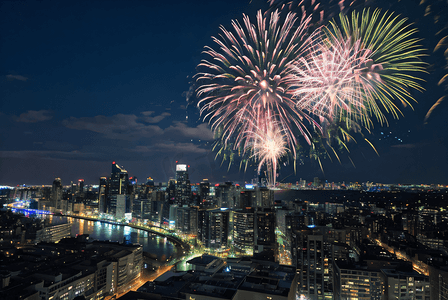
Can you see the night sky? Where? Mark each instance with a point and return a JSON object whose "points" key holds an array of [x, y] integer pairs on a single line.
{"points": [[85, 83]]}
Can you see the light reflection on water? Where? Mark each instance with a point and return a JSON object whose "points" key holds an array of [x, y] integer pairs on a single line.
{"points": [[151, 243]]}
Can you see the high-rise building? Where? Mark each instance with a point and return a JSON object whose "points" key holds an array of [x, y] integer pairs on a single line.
{"points": [[187, 220], [243, 231], [118, 185], [405, 284], [265, 198], [81, 187], [56, 193], [214, 228], [264, 232], [248, 198], [353, 282], [204, 190], [314, 264], [102, 195], [183, 188]]}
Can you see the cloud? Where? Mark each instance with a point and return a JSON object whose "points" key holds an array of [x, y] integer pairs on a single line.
{"points": [[16, 77], [33, 116], [131, 127], [147, 113], [31, 154], [155, 119], [120, 126], [166, 147], [201, 132]]}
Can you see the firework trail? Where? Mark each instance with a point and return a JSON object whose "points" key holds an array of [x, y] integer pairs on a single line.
{"points": [[248, 75]]}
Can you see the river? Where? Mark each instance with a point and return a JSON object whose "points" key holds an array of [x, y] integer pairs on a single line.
{"points": [[102, 231]]}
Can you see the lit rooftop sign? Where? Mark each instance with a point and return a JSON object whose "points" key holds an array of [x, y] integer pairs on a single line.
{"points": [[181, 167]]}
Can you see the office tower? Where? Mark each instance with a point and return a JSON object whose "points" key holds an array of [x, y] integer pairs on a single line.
{"points": [[264, 233], [214, 228], [438, 276], [405, 284], [265, 197], [118, 185], [81, 187], [121, 206], [187, 220], [204, 190], [171, 191], [102, 195], [314, 264], [243, 231], [355, 282], [157, 202], [223, 195], [183, 188], [56, 193], [248, 198]]}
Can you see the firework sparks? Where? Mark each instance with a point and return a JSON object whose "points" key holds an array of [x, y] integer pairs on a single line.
{"points": [[395, 56], [248, 76], [267, 145], [328, 82]]}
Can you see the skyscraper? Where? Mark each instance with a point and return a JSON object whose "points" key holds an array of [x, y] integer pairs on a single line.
{"points": [[118, 185], [56, 193], [214, 228], [243, 231], [264, 232], [183, 188], [204, 190], [103, 191]]}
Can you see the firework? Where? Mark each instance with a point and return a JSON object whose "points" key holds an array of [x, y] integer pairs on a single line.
{"points": [[247, 77], [328, 83], [267, 145], [395, 55]]}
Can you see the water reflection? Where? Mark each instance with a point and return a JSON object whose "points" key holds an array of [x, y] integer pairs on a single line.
{"points": [[151, 243]]}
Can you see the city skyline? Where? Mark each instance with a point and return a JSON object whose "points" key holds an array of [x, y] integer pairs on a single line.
{"points": [[85, 85]]}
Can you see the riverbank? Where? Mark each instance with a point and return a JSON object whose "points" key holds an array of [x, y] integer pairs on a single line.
{"points": [[182, 248]]}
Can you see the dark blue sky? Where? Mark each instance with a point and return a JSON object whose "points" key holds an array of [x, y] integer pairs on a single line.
{"points": [[85, 83]]}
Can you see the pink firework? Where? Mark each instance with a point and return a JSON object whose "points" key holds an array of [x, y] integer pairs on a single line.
{"points": [[267, 145], [247, 77], [330, 82]]}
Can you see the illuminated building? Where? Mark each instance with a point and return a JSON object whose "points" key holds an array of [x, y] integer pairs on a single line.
{"points": [[405, 284], [353, 282], [183, 188], [81, 187], [243, 231], [204, 189], [214, 228], [53, 234], [438, 276], [314, 264], [264, 232], [118, 185], [225, 195], [248, 198], [187, 220], [265, 198]]}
